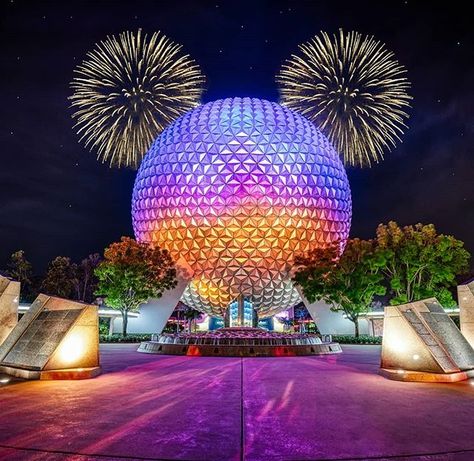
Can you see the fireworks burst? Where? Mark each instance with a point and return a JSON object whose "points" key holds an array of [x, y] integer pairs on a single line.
{"points": [[127, 90], [353, 89]]}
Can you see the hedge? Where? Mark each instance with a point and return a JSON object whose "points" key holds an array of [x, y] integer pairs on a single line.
{"points": [[362, 339], [137, 338], [130, 338]]}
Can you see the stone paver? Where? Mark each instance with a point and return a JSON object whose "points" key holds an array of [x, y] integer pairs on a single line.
{"points": [[194, 408]]}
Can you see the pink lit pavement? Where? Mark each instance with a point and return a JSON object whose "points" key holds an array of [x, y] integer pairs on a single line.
{"points": [[147, 407]]}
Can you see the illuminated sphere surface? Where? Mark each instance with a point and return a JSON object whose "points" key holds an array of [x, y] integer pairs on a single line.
{"points": [[237, 187]]}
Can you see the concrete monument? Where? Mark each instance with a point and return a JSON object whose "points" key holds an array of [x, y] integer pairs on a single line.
{"points": [[55, 339], [9, 298], [466, 310], [422, 343]]}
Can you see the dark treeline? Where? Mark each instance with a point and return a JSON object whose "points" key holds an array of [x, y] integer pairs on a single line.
{"points": [[63, 277]]}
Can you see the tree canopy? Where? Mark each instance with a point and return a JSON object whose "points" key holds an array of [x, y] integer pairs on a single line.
{"points": [[84, 279], [407, 263], [420, 263], [348, 282], [133, 272], [20, 269], [67, 279], [59, 278]]}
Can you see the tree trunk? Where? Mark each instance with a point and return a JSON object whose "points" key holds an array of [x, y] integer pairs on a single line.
{"points": [[356, 327], [124, 322], [84, 289]]}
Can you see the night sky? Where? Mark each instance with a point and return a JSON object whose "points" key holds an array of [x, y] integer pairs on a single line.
{"points": [[56, 199]]}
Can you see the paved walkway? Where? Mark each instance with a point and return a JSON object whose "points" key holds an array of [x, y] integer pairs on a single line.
{"points": [[191, 408]]}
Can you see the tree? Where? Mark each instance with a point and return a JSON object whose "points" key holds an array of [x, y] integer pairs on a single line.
{"points": [[191, 315], [20, 269], [85, 281], [131, 273], [347, 283], [419, 262], [59, 279]]}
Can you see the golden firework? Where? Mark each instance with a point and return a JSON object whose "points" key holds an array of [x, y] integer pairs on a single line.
{"points": [[353, 88], [127, 90]]}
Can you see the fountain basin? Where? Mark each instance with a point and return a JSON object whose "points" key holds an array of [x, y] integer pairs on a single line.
{"points": [[239, 342]]}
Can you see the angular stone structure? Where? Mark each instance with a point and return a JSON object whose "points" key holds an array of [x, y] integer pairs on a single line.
{"points": [[466, 310], [9, 299], [422, 343], [55, 339]]}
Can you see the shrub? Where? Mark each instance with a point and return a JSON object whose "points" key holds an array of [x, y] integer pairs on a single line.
{"points": [[130, 338], [362, 339]]}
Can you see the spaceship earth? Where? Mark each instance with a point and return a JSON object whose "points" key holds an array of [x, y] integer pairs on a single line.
{"points": [[237, 187]]}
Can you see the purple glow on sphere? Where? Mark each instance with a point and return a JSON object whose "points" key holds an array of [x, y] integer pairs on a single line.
{"points": [[237, 187]]}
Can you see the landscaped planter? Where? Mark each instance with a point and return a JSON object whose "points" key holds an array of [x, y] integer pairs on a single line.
{"points": [[362, 339]]}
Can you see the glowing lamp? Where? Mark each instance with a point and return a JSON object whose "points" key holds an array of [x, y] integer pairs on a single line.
{"points": [[72, 348]]}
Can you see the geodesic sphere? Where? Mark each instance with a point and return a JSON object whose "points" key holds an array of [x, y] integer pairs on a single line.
{"points": [[238, 187]]}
